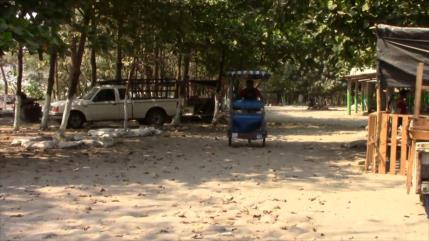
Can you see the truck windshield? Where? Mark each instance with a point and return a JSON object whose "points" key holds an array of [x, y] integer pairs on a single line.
{"points": [[89, 94]]}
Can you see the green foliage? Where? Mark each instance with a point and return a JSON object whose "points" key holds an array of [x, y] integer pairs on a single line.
{"points": [[34, 89], [307, 44]]}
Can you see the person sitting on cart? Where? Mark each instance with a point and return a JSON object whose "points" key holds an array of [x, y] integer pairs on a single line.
{"points": [[250, 92]]}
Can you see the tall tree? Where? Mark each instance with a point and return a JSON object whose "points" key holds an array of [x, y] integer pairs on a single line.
{"points": [[127, 91], [77, 48], [93, 59], [6, 91], [51, 80], [18, 93]]}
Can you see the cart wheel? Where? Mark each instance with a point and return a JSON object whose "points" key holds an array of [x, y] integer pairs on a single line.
{"points": [[263, 142], [229, 141]]}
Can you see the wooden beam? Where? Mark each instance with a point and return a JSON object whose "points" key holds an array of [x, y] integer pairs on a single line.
{"points": [[383, 144], [379, 115], [404, 142], [417, 106], [393, 144]]}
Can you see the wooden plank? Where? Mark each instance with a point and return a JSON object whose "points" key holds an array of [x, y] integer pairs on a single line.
{"points": [[404, 142], [383, 144], [393, 144]]}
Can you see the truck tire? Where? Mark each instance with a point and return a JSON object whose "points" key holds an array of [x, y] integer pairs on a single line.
{"points": [[156, 117], [76, 120]]}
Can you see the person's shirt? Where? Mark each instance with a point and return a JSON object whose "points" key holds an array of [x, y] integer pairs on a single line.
{"points": [[250, 94], [401, 106]]}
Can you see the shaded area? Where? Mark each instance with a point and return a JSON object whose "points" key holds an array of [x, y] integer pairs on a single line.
{"points": [[188, 184]]}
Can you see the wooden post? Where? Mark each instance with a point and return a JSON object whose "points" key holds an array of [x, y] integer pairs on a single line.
{"points": [[393, 144], [356, 96], [377, 140], [417, 103], [418, 94], [349, 97], [404, 142], [383, 143]]}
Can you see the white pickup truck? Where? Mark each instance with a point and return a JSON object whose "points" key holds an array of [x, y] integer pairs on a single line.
{"points": [[106, 103]]}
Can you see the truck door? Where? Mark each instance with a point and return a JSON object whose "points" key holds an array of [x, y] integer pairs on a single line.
{"points": [[104, 105]]}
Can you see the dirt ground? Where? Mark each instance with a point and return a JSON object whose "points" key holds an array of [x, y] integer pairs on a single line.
{"points": [[187, 184]]}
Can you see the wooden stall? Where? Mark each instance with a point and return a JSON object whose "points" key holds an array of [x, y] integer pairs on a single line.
{"points": [[391, 146], [361, 93]]}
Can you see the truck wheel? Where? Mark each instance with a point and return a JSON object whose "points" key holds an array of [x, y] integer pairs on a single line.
{"points": [[156, 117], [76, 120]]}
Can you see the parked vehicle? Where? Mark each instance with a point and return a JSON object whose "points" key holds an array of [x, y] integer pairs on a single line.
{"points": [[106, 102]]}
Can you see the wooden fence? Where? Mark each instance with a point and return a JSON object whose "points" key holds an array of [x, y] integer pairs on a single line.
{"points": [[391, 155]]}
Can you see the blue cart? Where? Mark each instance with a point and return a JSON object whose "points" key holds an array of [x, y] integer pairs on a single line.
{"points": [[246, 116]]}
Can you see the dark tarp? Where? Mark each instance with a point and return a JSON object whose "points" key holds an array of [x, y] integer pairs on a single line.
{"points": [[399, 50]]}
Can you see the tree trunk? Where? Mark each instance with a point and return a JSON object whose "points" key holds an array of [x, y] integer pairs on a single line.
{"points": [[180, 93], [156, 72], [17, 119], [179, 76], [93, 68], [76, 56], [93, 56], [218, 88], [119, 53], [51, 81], [5, 86], [187, 62], [127, 90], [57, 88]]}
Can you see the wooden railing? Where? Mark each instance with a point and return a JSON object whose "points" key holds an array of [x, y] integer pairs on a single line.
{"points": [[391, 153]]}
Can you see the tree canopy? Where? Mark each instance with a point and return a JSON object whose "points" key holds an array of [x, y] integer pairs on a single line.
{"points": [[305, 43]]}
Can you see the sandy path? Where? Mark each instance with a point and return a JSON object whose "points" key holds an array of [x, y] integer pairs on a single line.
{"points": [[187, 185]]}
